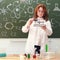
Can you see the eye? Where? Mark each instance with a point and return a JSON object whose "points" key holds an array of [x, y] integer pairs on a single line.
{"points": [[41, 11]]}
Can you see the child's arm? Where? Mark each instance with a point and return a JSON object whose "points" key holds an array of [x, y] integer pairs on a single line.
{"points": [[26, 27], [48, 28]]}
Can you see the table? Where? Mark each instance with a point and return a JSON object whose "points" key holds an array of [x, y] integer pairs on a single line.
{"points": [[55, 57]]}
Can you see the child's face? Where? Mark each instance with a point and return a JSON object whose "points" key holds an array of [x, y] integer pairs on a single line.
{"points": [[40, 12]]}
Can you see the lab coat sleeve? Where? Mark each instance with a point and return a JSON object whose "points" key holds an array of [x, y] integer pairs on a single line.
{"points": [[25, 28], [48, 28]]}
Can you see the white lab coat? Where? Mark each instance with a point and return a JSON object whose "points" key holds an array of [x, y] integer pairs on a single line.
{"points": [[36, 36]]}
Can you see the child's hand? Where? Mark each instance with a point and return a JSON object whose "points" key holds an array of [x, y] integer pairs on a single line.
{"points": [[43, 27], [30, 21]]}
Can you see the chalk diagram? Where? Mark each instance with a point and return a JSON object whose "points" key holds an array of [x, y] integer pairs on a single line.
{"points": [[9, 25], [0, 25], [14, 9], [20, 26], [56, 14], [1, 1], [55, 23], [30, 10], [48, 3], [4, 33], [15, 14], [29, 2], [13, 34], [56, 8]]}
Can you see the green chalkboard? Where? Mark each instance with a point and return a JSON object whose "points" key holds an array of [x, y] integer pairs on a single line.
{"points": [[15, 13]]}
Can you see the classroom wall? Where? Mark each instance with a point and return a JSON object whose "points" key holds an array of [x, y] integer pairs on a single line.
{"points": [[16, 46]]}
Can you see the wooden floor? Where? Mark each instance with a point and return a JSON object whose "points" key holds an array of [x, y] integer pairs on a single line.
{"points": [[10, 58], [50, 57]]}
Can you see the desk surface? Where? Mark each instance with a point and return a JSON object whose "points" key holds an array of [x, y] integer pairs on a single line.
{"points": [[55, 57]]}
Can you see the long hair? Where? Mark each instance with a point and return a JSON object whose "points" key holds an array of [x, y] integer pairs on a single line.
{"points": [[45, 16]]}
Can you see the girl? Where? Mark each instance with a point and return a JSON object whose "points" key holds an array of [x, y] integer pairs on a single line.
{"points": [[39, 28]]}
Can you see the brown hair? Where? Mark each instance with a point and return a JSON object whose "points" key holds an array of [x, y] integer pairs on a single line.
{"points": [[45, 16]]}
